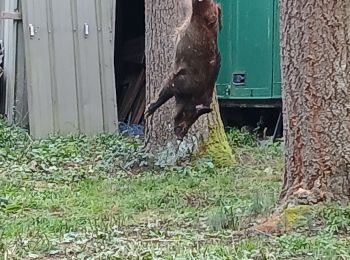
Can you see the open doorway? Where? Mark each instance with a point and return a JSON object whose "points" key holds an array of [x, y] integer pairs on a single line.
{"points": [[130, 61]]}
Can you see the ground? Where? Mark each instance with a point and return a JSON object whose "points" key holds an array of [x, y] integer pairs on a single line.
{"points": [[87, 198]]}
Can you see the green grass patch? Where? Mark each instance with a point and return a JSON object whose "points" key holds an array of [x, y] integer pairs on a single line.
{"points": [[79, 197]]}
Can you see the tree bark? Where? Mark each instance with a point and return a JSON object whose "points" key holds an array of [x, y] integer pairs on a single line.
{"points": [[207, 134], [315, 42]]}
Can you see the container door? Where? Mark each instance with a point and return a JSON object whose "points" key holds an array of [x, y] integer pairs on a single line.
{"points": [[69, 48], [246, 45]]}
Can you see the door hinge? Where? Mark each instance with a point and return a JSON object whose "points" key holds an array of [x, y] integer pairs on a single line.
{"points": [[11, 15]]}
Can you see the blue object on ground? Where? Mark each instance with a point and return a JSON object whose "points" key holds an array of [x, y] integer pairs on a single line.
{"points": [[132, 130]]}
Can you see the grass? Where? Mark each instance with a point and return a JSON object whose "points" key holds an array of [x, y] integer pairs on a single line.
{"points": [[84, 198]]}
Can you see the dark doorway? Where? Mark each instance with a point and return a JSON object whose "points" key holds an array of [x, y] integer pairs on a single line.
{"points": [[262, 121], [130, 60]]}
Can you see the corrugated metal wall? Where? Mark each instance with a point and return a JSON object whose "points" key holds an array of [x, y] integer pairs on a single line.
{"points": [[2, 87], [69, 50], [2, 8], [9, 36]]}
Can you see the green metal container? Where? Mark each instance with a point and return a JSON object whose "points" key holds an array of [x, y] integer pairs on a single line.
{"points": [[250, 51]]}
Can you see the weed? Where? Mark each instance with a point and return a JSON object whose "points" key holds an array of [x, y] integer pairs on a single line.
{"points": [[336, 217], [241, 138], [75, 197]]}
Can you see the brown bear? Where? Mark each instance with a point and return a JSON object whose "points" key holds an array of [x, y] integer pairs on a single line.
{"points": [[196, 67]]}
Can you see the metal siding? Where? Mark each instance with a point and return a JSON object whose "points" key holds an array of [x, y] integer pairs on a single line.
{"points": [[21, 115], [2, 8], [38, 67], [106, 23], [62, 49], [87, 55], [10, 40], [2, 85], [71, 76]]}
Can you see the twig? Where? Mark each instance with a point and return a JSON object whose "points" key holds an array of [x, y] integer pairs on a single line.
{"points": [[123, 169], [28, 147], [29, 137], [263, 233], [149, 240]]}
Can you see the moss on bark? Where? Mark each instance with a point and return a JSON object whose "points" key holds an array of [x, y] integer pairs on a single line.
{"points": [[216, 145], [294, 214], [218, 148]]}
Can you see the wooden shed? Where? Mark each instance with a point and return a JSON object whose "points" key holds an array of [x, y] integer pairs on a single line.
{"points": [[67, 61]]}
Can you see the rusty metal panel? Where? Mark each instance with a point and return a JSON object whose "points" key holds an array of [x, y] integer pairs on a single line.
{"points": [[69, 58]]}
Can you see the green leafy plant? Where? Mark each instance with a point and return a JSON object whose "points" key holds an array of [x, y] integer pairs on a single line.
{"points": [[336, 218], [241, 138], [92, 197]]}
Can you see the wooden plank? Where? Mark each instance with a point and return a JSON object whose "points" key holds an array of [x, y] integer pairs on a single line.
{"points": [[126, 95], [134, 51], [134, 88], [141, 110], [10, 40], [139, 106], [88, 71], [106, 27], [38, 68], [63, 63], [10, 15]]}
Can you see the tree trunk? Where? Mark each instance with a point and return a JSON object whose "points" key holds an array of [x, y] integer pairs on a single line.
{"points": [[316, 94], [207, 134]]}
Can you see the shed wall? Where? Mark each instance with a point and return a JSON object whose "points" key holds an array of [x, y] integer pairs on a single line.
{"points": [[9, 36], [69, 49]]}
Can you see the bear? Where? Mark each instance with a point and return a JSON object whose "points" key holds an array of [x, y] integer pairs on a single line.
{"points": [[196, 67]]}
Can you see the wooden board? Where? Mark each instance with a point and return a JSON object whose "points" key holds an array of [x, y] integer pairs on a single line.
{"points": [[134, 88]]}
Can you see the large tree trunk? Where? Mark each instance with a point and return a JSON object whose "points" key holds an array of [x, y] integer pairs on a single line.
{"points": [[207, 135], [316, 94]]}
